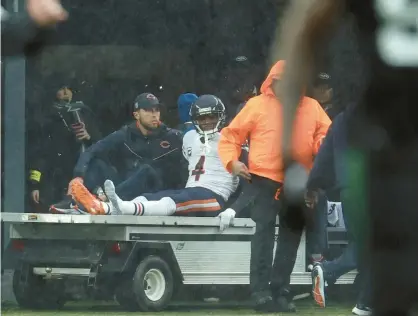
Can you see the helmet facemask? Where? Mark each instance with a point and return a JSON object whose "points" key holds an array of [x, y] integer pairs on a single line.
{"points": [[208, 115], [210, 123]]}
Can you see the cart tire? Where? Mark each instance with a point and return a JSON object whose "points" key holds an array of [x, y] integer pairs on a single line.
{"points": [[153, 284], [32, 292]]}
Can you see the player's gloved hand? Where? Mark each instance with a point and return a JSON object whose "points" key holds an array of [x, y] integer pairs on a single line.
{"points": [[227, 218]]}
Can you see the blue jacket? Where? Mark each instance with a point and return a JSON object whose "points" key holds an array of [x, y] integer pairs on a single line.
{"points": [[128, 148], [329, 169], [183, 103]]}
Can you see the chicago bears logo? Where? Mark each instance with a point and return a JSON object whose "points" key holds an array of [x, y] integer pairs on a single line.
{"points": [[165, 144], [331, 209]]}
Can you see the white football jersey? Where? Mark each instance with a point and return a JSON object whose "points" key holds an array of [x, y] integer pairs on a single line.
{"points": [[205, 167]]}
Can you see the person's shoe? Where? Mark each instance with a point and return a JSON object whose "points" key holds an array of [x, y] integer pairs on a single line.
{"points": [[283, 301], [101, 195], [82, 196], [318, 284], [284, 305], [66, 206], [264, 305], [362, 310]]}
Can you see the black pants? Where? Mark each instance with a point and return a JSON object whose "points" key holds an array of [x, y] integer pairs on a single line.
{"points": [[142, 180], [263, 213], [265, 279], [292, 221], [393, 201]]}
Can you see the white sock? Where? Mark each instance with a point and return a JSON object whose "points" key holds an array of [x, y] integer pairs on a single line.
{"points": [[108, 207], [140, 199], [119, 206], [140, 205], [164, 207]]}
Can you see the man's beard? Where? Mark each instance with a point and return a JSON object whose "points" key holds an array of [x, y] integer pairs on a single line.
{"points": [[148, 127]]}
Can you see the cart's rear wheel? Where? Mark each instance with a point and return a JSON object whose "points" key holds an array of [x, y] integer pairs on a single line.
{"points": [[33, 292], [153, 284], [150, 288]]}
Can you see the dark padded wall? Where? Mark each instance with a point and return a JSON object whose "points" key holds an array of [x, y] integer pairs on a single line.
{"points": [[112, 50]]}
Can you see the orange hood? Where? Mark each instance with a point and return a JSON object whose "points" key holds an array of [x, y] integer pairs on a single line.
{"points": [[275, 73]]}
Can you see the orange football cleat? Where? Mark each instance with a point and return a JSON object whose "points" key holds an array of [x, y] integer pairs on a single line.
{"points": [[83, 196]]}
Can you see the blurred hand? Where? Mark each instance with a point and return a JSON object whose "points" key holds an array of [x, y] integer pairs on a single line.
{"points": [[78, 179], [35, 196], [240, 169], [46, 12], [311, 199], [227, 218], [80, 131]]}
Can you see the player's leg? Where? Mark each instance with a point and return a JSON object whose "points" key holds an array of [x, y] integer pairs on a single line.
{"points": [[263, 213], [363, 305], [292, 221], [197, 201], [150, 204], [341, 265], [329, 271]]}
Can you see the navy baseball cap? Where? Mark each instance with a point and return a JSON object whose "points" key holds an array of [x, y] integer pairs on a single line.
{"points": [[146, 101]]}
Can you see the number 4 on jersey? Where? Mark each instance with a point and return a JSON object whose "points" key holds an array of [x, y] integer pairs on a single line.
{"points": [[199, 169]]}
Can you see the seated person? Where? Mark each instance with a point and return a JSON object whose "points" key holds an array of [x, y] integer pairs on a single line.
{"points": [[209, 185], [144, 156]]}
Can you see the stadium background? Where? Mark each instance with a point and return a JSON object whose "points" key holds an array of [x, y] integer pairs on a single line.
{"points": [[112, 50]]}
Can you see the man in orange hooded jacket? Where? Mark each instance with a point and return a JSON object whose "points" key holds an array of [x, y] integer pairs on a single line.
{"points": [[260, 121]]}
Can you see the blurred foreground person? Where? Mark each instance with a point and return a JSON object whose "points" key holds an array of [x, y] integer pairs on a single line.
{"points": [[382, 155], [26, 32], [257, 123]]}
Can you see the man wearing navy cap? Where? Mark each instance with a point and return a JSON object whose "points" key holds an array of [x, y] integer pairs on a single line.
{"points": [[144, 156], [323, 93]]}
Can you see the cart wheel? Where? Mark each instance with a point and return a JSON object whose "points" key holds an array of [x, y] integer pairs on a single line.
{"points": [[153, 284], [33, 292]]}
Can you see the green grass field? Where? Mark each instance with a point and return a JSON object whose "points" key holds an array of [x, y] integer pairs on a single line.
{"points": [[305, 307]]}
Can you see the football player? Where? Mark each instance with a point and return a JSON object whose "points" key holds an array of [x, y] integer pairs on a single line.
{"points": [[209, 185]]}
